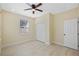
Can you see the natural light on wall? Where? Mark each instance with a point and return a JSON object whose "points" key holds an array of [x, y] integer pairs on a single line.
{"points": [[24, 25]]}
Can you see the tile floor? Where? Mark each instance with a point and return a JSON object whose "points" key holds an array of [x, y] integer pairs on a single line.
{"points": [[37, 48]]}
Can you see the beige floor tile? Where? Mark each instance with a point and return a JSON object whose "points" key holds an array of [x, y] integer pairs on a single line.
{"points": [[37, 48]]}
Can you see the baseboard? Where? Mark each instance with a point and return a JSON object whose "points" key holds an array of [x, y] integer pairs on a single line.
{"points": [[15, 43], [57, 43], [44, 42]]}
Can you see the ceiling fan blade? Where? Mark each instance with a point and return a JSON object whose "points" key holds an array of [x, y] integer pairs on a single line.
{"points": [[38, 5], [28, 9], [29, 4], [39, 10]]}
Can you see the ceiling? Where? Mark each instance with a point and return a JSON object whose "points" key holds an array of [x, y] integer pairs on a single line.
{"points": [[46, 7]]}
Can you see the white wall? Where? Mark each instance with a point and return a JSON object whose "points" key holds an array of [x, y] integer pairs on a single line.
{"points": [[0, 33], [11, 30]]}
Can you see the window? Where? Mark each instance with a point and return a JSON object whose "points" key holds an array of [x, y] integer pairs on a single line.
{"points": [[24, 25]]}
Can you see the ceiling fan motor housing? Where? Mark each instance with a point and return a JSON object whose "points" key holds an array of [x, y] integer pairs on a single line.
{"points": [[33, 6]]}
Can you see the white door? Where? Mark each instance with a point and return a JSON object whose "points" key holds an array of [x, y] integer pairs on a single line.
{"points": [[41, 31], [70, 33]]}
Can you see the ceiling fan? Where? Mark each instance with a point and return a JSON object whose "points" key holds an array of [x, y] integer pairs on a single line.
{"points": [[34, 7]]}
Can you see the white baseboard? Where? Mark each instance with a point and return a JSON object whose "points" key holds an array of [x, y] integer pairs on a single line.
{"points": [[15, 43], [58, 43], [44, 42]]}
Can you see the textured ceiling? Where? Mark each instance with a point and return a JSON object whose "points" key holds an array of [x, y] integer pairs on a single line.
{"points": [[46, 7]]}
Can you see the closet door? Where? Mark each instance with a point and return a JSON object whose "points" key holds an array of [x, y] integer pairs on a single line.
{"points": [[70, 33]]}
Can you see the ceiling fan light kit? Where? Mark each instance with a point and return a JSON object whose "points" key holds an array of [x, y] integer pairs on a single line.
{"points": [[34, 7]]}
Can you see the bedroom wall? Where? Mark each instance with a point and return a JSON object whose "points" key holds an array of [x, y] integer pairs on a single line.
{"points": [[56, 24], [0, 31], [51, 28], [11, 33], [0, 28], [59, 24]]}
